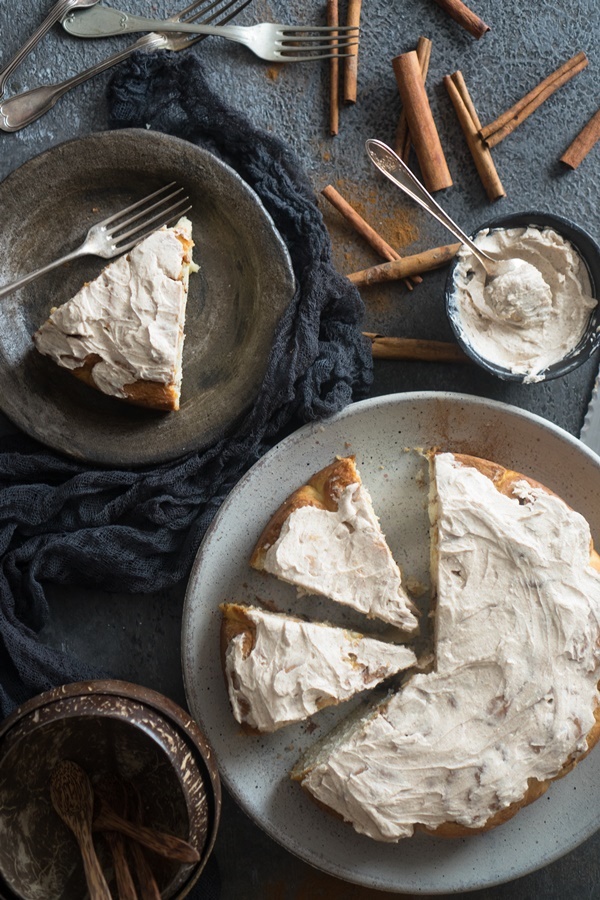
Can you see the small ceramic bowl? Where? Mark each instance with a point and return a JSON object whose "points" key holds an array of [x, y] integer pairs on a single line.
{"points": [[588, 250], [108, 727]]}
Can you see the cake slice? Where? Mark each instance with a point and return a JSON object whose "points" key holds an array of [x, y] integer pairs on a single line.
{"points": [[326, 539], [281, 669], [513, 702], [123, 332]]}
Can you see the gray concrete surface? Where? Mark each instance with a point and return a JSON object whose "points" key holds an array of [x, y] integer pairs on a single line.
{"points": [[138, 637]]}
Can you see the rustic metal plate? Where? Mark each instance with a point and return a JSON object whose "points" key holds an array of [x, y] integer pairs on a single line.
{"points": [[234, 305]]}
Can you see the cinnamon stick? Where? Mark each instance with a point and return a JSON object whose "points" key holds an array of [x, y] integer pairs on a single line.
{"points": [[464, 16], [405, 267], [470, 124], [583, 143], [334, 70], [505, 124], [415, 349], [363, 228], [403, 142], [351, 61], [422, 128]]}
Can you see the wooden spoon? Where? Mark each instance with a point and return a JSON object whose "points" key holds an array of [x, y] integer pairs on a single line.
{"points": [[73, 800], [111, 789], [147, 882], [167, 845]]}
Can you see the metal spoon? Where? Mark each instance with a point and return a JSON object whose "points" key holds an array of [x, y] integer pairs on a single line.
{"points": [[60, 9], [397, 171], [73, 799]]}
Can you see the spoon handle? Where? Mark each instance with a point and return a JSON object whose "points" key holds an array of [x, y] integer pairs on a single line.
{"points": [[125, 886], [166, 845], [94, 876], [398, 172]]}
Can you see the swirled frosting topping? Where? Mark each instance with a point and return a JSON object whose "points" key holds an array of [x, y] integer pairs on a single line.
{"points": [[343, 555], [517, 665], [296, 668], [130, 318], [535, 312]]}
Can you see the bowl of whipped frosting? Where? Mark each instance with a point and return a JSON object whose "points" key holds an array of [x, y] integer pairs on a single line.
{"points": [[539, 318]]}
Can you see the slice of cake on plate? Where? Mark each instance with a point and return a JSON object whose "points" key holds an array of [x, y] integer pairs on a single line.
{"points": [[123, 332], [281, 669], [326, 539], [513, 701]]}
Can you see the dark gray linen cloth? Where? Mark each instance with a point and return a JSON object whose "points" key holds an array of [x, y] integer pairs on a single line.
{"points": [[136, 531]]}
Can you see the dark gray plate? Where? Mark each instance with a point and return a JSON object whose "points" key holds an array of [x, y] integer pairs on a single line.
{"points": [[234, 303]]}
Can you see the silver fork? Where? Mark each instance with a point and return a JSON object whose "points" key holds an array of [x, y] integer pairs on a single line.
{"points": [[23, 109], [58, 11], [120, 232], [270, 41]]}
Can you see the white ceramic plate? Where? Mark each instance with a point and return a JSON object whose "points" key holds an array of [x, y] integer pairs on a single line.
{"points": [[255, 769]]}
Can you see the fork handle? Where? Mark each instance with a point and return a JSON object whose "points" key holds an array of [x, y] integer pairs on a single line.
{"points": [[7, 289], [25, 108], [55, 14], [107, 22]]}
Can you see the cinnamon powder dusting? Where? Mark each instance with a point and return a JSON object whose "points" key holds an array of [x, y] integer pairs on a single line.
{"points": [[396, 226]]}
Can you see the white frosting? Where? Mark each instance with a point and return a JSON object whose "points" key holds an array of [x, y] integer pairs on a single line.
{"points": [[296, 668], [517, 666], [518, 295], [131, 316], [342, 555], [535, 312]]}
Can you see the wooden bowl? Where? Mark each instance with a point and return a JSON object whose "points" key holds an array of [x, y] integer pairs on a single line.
{"points": [[108, 727]]}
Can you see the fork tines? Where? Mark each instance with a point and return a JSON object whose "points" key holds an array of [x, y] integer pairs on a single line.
{"points": [[166, 209]]}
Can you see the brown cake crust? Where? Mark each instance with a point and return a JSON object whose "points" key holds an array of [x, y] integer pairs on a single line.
{"points": [[234, 622], [321, 491], [150, 394]]}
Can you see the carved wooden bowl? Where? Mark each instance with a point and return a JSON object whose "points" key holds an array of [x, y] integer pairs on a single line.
{"points": [[108, 728]]}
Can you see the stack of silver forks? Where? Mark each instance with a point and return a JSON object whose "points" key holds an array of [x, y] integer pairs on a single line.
{"points": [[269, 41]]}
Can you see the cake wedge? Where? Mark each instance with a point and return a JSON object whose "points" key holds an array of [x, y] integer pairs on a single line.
{"points": [[123, 332], [281, 669], [326, 539]]}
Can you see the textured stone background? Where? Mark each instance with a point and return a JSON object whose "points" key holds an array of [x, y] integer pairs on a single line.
{"points": [[138, 637]]}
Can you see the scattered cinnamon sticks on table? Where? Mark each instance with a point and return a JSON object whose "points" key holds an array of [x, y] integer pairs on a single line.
{"points": [[461, 13], [351, 61], [470, 124], [415, 349], [405, 267], [334, 70], [402, 141], [505, 124], [583, 143], [421, 125], [363, 228]]}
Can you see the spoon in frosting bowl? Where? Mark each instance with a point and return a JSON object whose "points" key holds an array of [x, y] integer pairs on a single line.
{"points": [[506, 279]]}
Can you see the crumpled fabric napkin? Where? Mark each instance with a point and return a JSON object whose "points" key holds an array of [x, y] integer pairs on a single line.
{"points": [[128, 531]]}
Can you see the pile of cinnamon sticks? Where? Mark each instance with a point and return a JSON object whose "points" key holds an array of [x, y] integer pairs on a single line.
{"points": [[417, 130]]}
